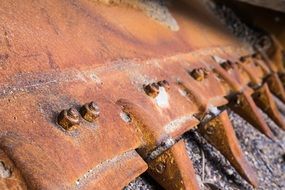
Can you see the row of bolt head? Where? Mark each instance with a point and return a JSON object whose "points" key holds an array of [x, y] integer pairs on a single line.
{"points": [[70, 118], [201, 73], [228, 65], [198, 74], [152, 89]]}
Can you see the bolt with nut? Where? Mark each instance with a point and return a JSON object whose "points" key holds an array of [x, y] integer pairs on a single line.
{"points": [[69, 119], [227, 65], [199, 74], [90, 111], [160, 167], [151, 90]]}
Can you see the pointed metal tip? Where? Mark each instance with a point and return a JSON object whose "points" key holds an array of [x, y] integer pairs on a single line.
{"points": [[173, 169], [264, 99], [247, 109], [220, 133]]}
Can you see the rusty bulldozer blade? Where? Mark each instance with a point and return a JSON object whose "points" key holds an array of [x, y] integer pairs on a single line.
{"points": [[265, 101], [246, 108], [89, 90], [219, 132]]}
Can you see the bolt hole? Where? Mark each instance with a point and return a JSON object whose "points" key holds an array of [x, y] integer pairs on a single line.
{"points": [[126, 117]]}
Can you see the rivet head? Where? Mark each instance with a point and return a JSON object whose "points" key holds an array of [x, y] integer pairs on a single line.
{"points": [[68, 119], [160, 168], [199, 74], [90, 111]]}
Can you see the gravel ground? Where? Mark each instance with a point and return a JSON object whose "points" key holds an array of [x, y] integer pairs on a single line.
{"points": [[265, 156]]}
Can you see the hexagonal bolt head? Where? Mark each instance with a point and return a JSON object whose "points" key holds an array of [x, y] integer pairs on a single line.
{"points": [[199, 74], [151, 90], [69, 119], [90, 112]]}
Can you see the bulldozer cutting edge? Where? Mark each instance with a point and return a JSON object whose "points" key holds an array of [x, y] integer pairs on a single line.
{"points": [[95, 93]]}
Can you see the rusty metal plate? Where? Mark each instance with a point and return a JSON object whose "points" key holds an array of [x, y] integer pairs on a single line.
{"points": [[89, 90]]}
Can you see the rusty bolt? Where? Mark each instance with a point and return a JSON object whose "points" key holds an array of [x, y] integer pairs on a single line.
{"points": [[90, 112], [160, 168], [227, 65], [68, 119], [210, 130], [151, 89], [199, 74], [164, 84]]}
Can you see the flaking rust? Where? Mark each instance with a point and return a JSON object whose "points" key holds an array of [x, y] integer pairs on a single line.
{"points": [[62, 129]]}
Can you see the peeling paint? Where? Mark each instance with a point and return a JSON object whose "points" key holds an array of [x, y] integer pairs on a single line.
{"points": [[162, 98], [177, 123]]}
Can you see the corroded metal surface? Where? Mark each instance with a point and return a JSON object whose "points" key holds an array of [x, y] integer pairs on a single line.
{"points": [[220, 133], [173, 168], [264, 100], [90, 92], [11, 178]]}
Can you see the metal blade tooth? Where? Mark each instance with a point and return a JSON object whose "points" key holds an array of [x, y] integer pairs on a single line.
{"points": [[276, 87], [219, 132], [173, 169], [246, 108], [263, 98]]}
